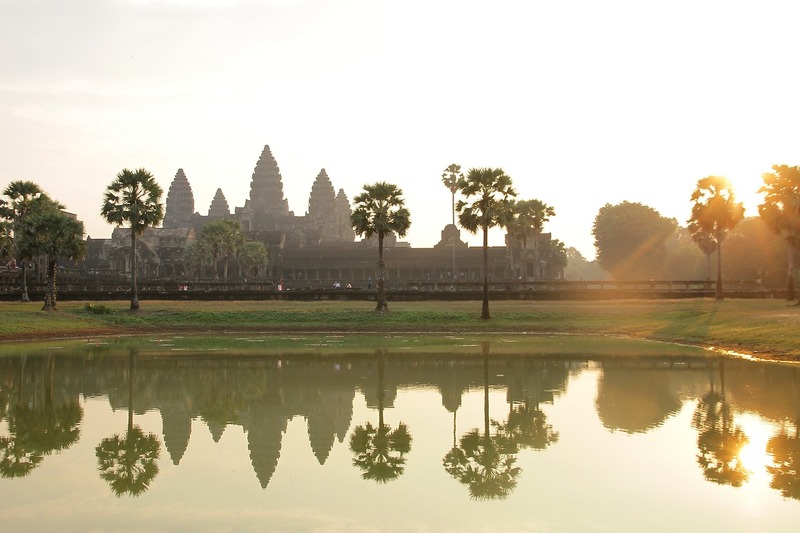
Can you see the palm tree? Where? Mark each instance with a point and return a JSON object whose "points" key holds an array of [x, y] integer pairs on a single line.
{"points": [[491, 190], [6, 241], [133, 198], [529, 217], [195, 255], [222, 238], [705, 241], [380, 210], [716, 212], [23, 199], [253, 257], [57, 235], [781, 210], [380, 451], [450, 179]]}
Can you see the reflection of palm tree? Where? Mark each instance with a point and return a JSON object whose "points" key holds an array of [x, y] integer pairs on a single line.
{"points": [[129, 464], [785, 451], [485, 463], [17, 457], [527, 426], [380, 452], [720, 441], [38, 430]]}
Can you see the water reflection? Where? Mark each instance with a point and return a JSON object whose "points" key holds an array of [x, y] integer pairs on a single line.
{"points": [[42, 419], [41, 398], [129, 463], [380, 452]]}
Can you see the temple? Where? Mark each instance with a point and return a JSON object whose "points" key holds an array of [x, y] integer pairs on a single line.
{"points": [[316, 249]]}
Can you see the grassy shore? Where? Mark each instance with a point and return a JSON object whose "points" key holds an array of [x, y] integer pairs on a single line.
{"points": [[765, 328]]}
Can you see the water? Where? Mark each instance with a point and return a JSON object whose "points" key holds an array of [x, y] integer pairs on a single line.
{"points": [[406, 433]]}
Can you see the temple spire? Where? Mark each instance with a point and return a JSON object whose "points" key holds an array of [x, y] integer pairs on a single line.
{"points": [[322, 207], [219, 206], [266, 187], [180, 203]]}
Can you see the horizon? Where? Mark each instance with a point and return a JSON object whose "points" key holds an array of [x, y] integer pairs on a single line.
{"points": [[582, 104]]}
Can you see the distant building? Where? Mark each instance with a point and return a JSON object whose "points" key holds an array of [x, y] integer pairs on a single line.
{"points": [[315, 249]]}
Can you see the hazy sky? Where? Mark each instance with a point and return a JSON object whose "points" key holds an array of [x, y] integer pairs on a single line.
{"points": [[581, 102]]}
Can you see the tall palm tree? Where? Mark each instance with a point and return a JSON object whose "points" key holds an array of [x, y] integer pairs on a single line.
{"points": [[380, 210], [529, 218], [24, 197], [781, 210], [705, 241], [489, 191], [6, 241], [716, 212], [57, 235], [133, 198], [253, 257], [450, 178], [222, 238]]}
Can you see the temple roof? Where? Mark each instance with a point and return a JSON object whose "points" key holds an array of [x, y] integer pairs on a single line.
{"points": [[180, 202]]}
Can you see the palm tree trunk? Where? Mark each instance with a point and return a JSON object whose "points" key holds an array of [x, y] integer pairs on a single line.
{"points": [[719, 269], [485, 306], [380, 272], [790, 276], [453, 239], [25, 297], [50, 293], [134, 272], [525, 260]]}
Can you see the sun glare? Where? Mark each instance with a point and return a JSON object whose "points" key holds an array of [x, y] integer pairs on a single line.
{"points": [[754, 455]]}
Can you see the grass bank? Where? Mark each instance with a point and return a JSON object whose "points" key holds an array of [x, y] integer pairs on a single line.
{"points": [[765, 328]]}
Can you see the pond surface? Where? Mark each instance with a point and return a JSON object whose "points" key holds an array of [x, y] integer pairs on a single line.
{"points": [[404, 433]]}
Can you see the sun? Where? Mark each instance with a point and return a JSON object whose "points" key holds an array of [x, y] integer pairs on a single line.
{"points": [[745, 188]]}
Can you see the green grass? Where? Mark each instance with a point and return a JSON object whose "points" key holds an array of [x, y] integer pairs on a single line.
{"points": [[767, 328]]}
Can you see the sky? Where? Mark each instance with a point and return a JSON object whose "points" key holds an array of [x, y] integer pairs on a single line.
{"points": [[582, 103]]}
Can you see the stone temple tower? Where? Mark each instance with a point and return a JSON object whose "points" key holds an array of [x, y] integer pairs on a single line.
{"points": [[266, 187], [322, 207], [343, 211], [219, 206], [180, 203]]}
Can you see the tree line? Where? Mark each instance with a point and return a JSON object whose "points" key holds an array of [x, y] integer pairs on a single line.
{"points": [[635, 242], [632, 240]]}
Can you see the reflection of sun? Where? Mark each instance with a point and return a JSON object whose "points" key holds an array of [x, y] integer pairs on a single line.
{"points": [[753, 455]]}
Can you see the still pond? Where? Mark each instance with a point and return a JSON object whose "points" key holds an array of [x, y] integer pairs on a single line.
{"points": [[398, 433]]}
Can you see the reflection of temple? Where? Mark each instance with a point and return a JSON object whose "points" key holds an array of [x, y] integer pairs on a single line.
{"points": [[39, 396], [305, 250]]}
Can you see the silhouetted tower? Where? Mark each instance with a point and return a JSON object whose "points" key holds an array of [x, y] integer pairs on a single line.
{"points": [[180, 203]]}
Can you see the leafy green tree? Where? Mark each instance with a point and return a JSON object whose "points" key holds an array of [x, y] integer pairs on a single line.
{"points": [[134, 198], [488, 192], [57, 235], [380, 451], [629, 238], [223, 239], [380, 210], [715, 212], [24, 198], [6, 241], [252, 258], [529, 218], [195, 255], [781, 210], [450, 178]]}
